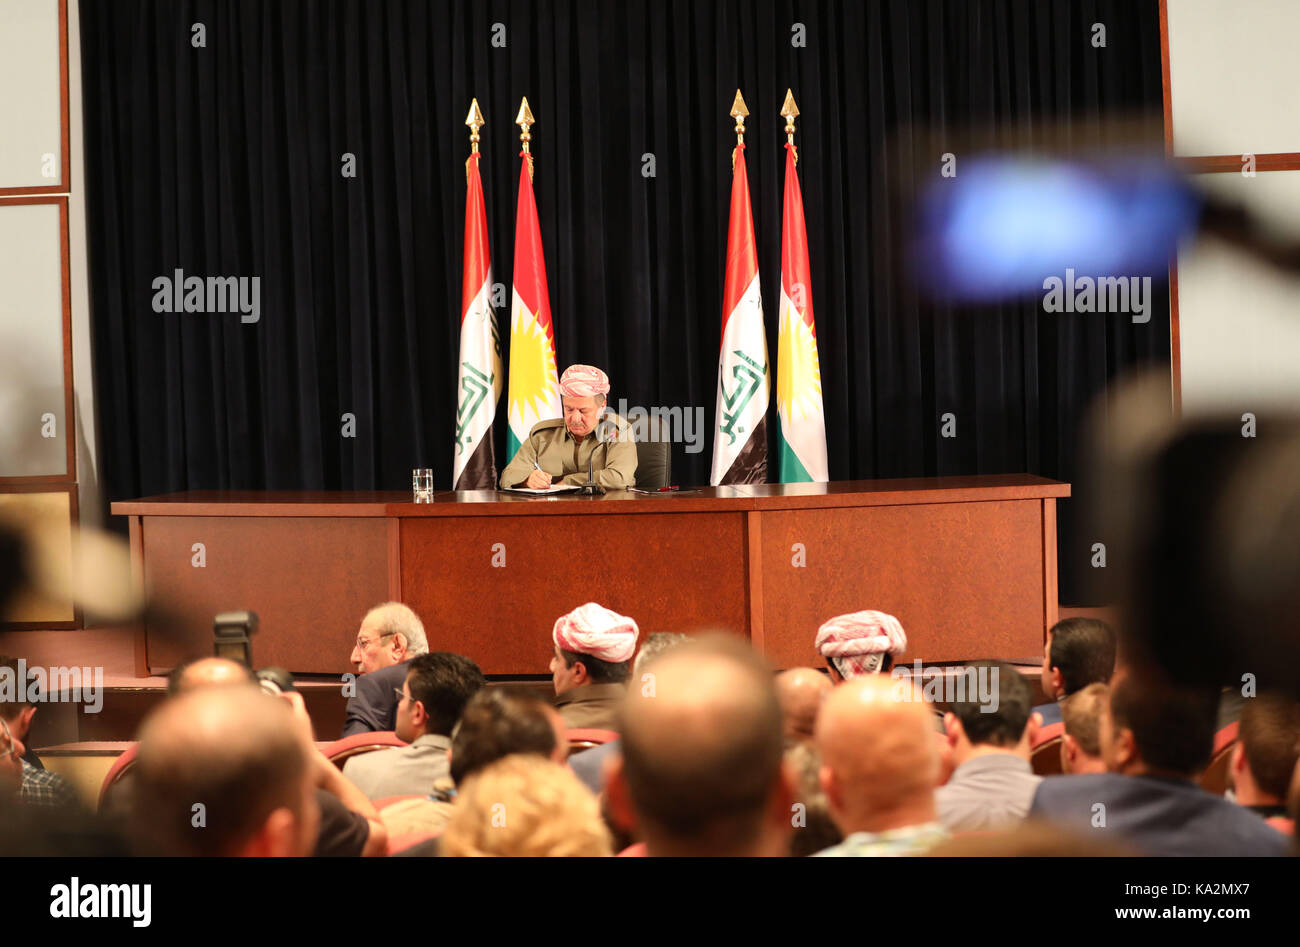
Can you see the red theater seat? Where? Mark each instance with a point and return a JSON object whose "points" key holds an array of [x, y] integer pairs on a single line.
{"points": [[584, 738], [340, 751], [1045, 751], [1215, 777], [119, 769]]}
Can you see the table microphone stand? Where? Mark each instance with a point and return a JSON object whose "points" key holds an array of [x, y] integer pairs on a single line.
{"points": [[591, 488]]}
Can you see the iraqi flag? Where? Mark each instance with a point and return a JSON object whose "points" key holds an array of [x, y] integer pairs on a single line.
{"points": [[534, 383], [480, 379], [801, 438], [744, 387]]}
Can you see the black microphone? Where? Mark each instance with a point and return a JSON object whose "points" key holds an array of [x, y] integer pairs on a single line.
{"points": [[591, 488]]}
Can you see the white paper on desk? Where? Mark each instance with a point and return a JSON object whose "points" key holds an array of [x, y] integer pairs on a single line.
{"points": [[553, 488]]}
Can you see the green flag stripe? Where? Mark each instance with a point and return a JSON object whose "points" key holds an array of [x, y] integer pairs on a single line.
{"points": [[791, 471]]}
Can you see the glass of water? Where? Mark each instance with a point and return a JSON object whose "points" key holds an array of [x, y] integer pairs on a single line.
{"points": [[422, 484]]}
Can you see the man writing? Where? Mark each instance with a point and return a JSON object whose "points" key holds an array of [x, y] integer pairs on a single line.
{"points": [[562, 449]]}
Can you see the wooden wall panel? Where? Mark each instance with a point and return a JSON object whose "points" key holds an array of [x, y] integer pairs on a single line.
{"points": [[673, 572], [309, 579], [965, 579]]}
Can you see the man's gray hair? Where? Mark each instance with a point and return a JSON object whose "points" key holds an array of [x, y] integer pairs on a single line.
{"points": [[398, 619], [654, 646]]}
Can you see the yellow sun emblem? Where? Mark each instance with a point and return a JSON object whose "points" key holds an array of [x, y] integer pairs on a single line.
{"points": [[798, 368], [533, 383]]}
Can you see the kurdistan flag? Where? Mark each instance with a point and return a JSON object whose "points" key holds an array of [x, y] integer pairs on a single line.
{"points": [[534, 383], [801, 438], [479, 381], [744, 388]]}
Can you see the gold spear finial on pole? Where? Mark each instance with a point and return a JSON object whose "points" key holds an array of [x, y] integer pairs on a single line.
{"points": [[739, 113], [525, 121], [789, 110], [475, 121]]}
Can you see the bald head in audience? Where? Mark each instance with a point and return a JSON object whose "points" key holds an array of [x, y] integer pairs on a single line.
{"points": [[221, 771], [801, 692], [701, 769], [208, 672], [879, 756]]}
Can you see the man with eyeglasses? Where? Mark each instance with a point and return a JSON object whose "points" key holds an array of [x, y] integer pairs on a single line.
{"points": [[430, 702], [389, 637]]}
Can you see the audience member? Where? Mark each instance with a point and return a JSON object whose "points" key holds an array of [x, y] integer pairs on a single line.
{"points": [[701, 768], [814, 827], [390, 636], [1265, 758], [432, 698], [206, 672], [864, 643], [1156, 739], [11, 762], [222, 771], [880, 763], [860, 643], [496, 723], [1078, 652], [1081, 742], [589, 764], [593, 646], [39, 787], [349, 824], [525, 806], [801, 692], [992, 784]]}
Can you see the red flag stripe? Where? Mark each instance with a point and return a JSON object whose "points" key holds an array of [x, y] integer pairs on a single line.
{"points": [[795, 269], [530, 264], [478, 261], [742, 257]]}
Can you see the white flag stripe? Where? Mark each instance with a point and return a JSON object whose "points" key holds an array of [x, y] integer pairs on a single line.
{"points": [[479, 350], [744, 381], [803, 423]]}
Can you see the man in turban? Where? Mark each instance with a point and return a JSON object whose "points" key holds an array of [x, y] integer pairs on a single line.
{"points": [[593, 647], [860, 643], [560, 450]]}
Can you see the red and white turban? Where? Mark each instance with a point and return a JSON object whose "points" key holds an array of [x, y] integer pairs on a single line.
{"points": [[584, 381], [857, 643], [595, 630]]}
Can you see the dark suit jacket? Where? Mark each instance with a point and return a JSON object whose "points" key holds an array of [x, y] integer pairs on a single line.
{"points": [[1156, 816], [375, 705], [1051, 712], [588, 765]]}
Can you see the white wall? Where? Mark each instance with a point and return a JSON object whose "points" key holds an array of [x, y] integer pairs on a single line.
{"points": [[82, 364], [1234, 73], [1234, 68], [30, 304]]}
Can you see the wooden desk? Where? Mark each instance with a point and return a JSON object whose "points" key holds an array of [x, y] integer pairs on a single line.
{"points": [[968, 564]]}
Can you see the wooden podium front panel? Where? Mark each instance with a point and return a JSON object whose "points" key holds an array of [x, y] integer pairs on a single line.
{"points": [[964, 579], [310, 580], [673, 572]]}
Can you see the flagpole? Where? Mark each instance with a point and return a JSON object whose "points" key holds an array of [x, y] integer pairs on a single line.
{"points": [[801, 416], [534, 382], [739, 112], [744, 378], [478, 376], [788, 111], [525, 122]]}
